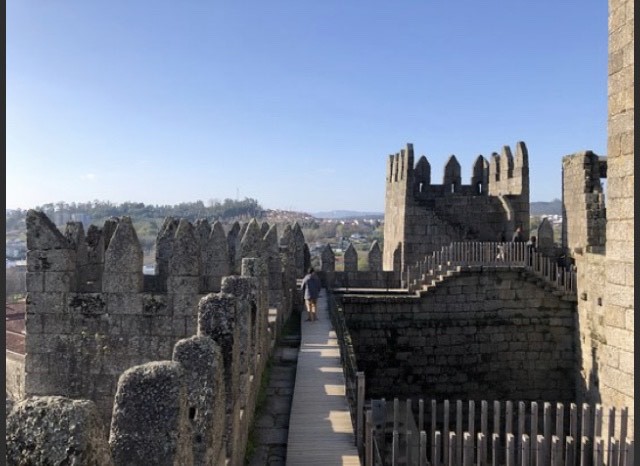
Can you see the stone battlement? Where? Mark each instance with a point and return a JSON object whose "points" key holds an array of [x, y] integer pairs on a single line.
{"points": [[501, 175], [421, 217], [93, 316]]}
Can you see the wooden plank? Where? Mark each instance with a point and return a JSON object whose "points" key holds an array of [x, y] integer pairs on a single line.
{"points": [[445, 435], [423, 448], [320, 427]]}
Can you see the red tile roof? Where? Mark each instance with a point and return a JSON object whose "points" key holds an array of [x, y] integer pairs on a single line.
{"points": [[15, 313]]}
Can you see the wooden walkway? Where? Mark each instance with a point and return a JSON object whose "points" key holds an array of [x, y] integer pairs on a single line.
{"points": [[320, 430]]}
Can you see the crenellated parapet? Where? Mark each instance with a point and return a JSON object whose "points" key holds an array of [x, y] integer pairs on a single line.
{"points": [[400, 166], [352, 276], [92, 313], [509, 175], [422, 216], [194, 407], [501, 175]]}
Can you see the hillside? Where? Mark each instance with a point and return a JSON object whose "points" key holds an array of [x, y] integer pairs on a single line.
{"points": [[348, 214], [546, 208]]}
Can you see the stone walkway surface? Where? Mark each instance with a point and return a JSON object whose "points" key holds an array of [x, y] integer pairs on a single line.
{"points": [[320, 430], [272, 424]]}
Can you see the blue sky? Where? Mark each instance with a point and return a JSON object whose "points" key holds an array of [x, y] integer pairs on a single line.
{"points": [[294, 103]]}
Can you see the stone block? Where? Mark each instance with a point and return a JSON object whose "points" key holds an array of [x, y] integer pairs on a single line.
{"points": [[54, 260], [151, 395], [629, 319], [47, 303], [34, 323], [183, 284], [626, 362], [124, 303], [162, 326], [615, 317], [36, 363], [185, 304], [616, 61], [37, 385], [622, 208], [620, 123], [35, 282], [620, 230], [36, 341], [617, 379], [619, 295], [507, 295], [58, 323], [619, 338], [136, 325], [179, 326], [56, 430], [59, 282], [122, 282], [191, 325]]}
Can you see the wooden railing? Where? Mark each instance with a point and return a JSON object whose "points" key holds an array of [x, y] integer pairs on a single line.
{"points": [[459, 255], [354, 380], [521, 435]]}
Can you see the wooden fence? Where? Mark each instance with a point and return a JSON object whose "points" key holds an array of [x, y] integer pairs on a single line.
{"points": [[354, 380], [489, 254], [499, 433]]}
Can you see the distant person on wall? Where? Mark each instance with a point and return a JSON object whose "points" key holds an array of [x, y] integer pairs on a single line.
{"points": [[531, 248], [502, 238], [311, 289], [561, 268], [517, 236]]}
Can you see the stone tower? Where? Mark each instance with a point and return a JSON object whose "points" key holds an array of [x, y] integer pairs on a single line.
{"points": [[421, 217], [617, 379], [598, 232]]}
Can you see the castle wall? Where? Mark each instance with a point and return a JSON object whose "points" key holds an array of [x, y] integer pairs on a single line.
{"points": [[490, 335], [100, 332], [591, 291], [361, 279], [617, 364], [78, 343], [448, 220]]}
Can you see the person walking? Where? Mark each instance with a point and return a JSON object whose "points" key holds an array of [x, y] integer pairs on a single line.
{"points": [[311, 289]]}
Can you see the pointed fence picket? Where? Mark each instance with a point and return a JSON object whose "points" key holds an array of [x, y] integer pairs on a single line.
{"points": [[524, 437]]}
